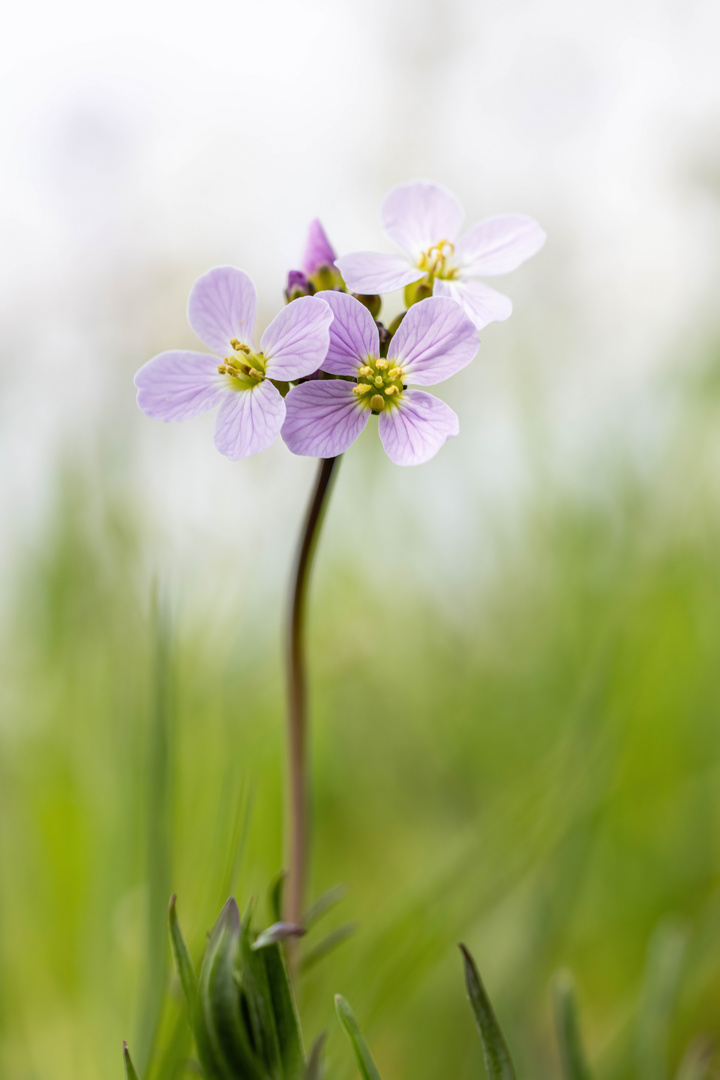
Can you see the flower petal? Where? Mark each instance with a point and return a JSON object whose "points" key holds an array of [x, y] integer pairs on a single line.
{"points": [[222, 305], [368, 272], [353, 334], [434, 340], [318, 249], [416, 427], [323, 418], [499, 244], [249, 421], [296, 341], [418, 215], [176, 385], [480, 303]]}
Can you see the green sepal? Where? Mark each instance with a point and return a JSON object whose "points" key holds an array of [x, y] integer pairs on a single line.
{"points": [[287, 1020], [313, 1070], [417, 291], [567, 1026], [220, 1034], [363, 1057], [371, 301], [183, 962], [497, 1056], [130, 1073]]}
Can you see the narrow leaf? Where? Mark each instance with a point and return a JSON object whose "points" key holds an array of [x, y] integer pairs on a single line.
{"points": [[130, 1073], [287, 1020], [497, 1056], [321, 950], [324, 903], [567, 1026], [314, 1066], [365, 1063], [662, 976], [183, 962], [257, 1001], [277, 932], [275, 896]]}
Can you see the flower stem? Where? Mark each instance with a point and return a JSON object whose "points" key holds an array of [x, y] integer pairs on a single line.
{"points": [[298, 807]]}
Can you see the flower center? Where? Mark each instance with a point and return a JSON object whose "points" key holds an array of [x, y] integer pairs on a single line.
{"points": [[379, 383], [245, 368], [436, 261]]}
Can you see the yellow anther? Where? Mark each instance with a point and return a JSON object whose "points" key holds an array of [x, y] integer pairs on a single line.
{"points": [[390, 390], [381, 364], [238, 345], [255, 374], [365, 371], [396, 373], [362, 388], [378, 380], [377, 403], [222, 370]]}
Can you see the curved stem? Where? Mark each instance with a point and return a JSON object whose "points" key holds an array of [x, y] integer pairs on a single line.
{"points": [[297, 695]]}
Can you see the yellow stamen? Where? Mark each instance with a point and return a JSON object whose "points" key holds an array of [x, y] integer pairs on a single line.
{"points": [[381, 364], [238, 345], [391, 390], [365, 370], [255, 374], [396, 373], [222, 370], [362, 388], [377, 403]]}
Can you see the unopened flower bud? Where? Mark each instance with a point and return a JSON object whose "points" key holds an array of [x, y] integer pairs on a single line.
{"points": [[371, 301], [297, 285]]}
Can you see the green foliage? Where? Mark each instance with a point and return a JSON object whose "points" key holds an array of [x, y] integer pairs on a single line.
{"points": [[130, 1073], [363, 1057], [497, 1056], [567, 1027]]}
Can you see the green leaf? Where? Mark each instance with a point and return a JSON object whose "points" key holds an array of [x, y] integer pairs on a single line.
{"points": [[287, 1021], [324, 903], [321, 950], [497, 1056], [220, 1033], [130, 1073], [275, 896], [662, 976], [183, 962], [567, 1026], [346, 1016], [314, 1065], [257, 1002]]}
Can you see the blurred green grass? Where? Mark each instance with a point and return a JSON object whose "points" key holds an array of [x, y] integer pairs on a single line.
{"points": [[530, 765]]}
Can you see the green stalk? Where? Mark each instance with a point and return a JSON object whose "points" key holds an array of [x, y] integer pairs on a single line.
{"points": [[298, 792]]}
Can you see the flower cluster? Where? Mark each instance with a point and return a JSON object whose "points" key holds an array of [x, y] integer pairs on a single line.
{"points": [[325, 364]]}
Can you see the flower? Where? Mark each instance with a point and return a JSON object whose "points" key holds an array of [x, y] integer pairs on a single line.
{"points": [[424, 219], [318, 250], [179, 384], [434, 340]]}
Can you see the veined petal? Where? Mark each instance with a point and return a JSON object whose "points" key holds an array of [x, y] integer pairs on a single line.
{"points": [[323, 418], [222, 305], [318, 249], [296, 341], [176, 385], [416, 427], [434, 340], [249, 421], [370, 272], [479, 302], [499, 244], [353, 334], [419, 214]]}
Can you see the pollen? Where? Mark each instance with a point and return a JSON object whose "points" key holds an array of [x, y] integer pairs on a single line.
{"points": [[379, 381], [362, 388]]}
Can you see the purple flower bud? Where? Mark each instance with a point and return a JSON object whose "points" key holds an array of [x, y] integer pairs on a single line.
{"points": [[318, 250], [297, 285]]}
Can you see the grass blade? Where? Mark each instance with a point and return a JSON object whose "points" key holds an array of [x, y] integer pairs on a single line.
{"points": [[346, 1016], [130, 1073], [567, 1026], [497, 1056], [183, 962]]}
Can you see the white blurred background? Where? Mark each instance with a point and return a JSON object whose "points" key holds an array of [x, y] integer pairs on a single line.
{"points": [[144, 142]]}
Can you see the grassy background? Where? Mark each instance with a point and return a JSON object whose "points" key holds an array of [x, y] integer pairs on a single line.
{"points": [[523, 756]]}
